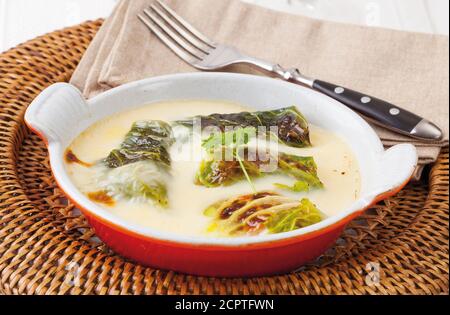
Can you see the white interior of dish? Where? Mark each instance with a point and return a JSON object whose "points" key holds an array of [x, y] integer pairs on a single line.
{"points": [[60, 114]]}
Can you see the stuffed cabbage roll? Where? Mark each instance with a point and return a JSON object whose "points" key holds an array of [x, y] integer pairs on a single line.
{"points": [[217, 171], [139, 169], [146, 141], [292, 126], [261, 213]]}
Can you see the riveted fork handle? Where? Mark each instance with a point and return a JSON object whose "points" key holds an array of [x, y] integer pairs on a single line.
{"points": [[381, 112], [378, 111]]}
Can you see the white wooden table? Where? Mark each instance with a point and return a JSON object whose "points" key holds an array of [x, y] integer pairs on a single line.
{"points": [[21, 20]]}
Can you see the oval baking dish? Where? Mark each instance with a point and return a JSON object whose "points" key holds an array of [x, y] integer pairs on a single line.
{"points": [[59, 114]]}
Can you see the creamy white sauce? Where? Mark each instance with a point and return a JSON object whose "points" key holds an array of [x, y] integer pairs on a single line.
{"points": [[337, 168]]}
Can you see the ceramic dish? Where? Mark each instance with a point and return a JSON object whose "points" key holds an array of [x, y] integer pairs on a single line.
{"points": [[60, 114]]}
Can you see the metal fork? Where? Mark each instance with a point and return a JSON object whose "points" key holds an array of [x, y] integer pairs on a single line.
{"points": [[205, 54]]}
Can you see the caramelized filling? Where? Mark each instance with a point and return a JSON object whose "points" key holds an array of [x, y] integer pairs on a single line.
{"points": [[241, 202], [228, 211], [253, 210]]}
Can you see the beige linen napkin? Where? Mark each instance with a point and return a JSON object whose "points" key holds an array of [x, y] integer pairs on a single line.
{"points": [[407, 69]]}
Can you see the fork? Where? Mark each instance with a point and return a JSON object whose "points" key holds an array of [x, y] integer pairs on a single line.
{"points": [[205, 54]]}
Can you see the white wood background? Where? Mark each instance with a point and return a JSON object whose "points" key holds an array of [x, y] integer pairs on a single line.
{"points": [[21, 20]]}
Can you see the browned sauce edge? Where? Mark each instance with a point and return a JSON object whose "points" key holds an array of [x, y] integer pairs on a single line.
{"points": [[101, 197], [72, 158]]}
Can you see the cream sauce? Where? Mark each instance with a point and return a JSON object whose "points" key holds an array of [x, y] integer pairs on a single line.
{"points": [[337, 168]]}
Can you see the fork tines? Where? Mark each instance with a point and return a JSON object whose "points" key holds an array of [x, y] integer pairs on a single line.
{"points": [[181, 37]]}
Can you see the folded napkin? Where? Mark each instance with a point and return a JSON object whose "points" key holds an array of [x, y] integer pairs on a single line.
{"points": [[407, 69]]}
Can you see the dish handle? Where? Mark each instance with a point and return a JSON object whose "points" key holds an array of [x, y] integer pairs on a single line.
{"points": [[396, 168], [52, 113]]}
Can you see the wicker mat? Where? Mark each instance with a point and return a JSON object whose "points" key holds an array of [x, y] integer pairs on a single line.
{"points": [[399, 247]]}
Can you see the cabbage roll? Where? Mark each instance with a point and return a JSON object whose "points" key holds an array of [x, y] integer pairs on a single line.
{"points": [[292, 126], [139, 169], [146, 141], [261, 213], [217, 171]]}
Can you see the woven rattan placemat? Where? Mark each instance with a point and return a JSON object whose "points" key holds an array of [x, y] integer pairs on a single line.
{"points": [[399, 247]]}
